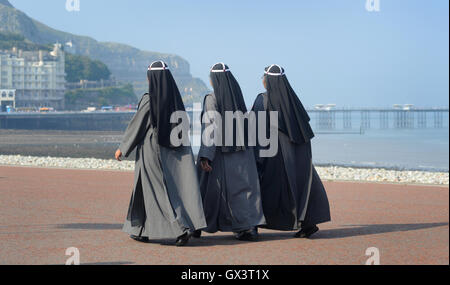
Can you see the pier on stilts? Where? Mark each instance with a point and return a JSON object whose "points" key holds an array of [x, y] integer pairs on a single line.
{"points": [[329, 118]]}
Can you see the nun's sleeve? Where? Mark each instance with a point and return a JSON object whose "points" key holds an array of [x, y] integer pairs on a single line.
{"points": [[259, 103], [137, 127], [208, 152]]}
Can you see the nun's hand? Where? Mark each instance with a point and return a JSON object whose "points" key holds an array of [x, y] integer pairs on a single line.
{"points": [[118, 155], [204, 163]]}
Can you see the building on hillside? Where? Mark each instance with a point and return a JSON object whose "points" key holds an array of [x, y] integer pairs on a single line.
{"points": [[38, 77]]}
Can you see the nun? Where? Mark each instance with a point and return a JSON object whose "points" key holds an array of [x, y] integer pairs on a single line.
{"points": [[166, 201], [227, 171], [293, 195]]}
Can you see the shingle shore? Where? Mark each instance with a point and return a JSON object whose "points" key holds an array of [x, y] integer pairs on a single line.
{"points": [[335, 173]]}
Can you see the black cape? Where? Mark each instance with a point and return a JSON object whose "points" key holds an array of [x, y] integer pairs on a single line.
{"points": [[293, 120], [165, 99], [229, 97]]}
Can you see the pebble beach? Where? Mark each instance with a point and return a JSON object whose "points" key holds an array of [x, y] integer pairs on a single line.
{"points": [[329, 173]]}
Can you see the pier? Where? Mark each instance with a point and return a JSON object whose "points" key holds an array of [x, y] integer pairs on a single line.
{"points": [[323, 118]]}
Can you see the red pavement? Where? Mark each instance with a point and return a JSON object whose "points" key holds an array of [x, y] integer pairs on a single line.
{"points": [[45, 211]]}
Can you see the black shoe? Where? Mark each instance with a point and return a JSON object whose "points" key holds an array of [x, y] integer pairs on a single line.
{"points": [[306, 233], [139, 239], [240, 235], [183, 239], [247, 235], [253, 234], [197, 234]]}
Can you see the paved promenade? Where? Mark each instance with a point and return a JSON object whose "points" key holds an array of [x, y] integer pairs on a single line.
{"points": [[45, 211]]}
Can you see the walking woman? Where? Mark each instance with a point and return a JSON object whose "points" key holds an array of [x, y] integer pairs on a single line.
{"points": [[227, 172], [293, 195], [166, 201]]}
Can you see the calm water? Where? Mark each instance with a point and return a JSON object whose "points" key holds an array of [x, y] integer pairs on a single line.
{"points": [[421, 149], [406, 149], [415, 149], [426, 149]]}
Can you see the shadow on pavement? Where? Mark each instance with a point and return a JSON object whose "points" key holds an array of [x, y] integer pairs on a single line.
{"points": [[88, 226], [228, 239], [362, 230], [224, 239], [217, 240], [204, 241]]}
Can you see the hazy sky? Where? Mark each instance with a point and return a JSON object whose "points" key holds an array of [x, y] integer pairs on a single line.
{"points": [[333, 51]]}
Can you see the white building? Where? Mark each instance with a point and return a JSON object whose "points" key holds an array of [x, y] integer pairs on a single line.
{"points": [[7, 98], [38, 77]]}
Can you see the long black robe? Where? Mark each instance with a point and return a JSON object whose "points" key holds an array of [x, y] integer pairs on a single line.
{"points": [[292, 193], [166, 200]]}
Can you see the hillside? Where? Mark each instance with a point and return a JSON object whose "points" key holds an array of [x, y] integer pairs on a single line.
{"points": [[10, 40], [125, 62]]}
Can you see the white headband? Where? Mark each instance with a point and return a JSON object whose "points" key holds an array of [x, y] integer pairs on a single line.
{"points": [[274, 74], [164, 67], [220, 70]]}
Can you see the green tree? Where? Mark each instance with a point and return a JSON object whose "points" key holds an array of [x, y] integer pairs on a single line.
{"points": [[83, 68], [80, 99]]}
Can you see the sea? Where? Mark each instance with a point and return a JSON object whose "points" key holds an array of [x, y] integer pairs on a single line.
{"points": [[424, 149], [414, 149], [402, 149], [379, 145], [386, 146]]}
